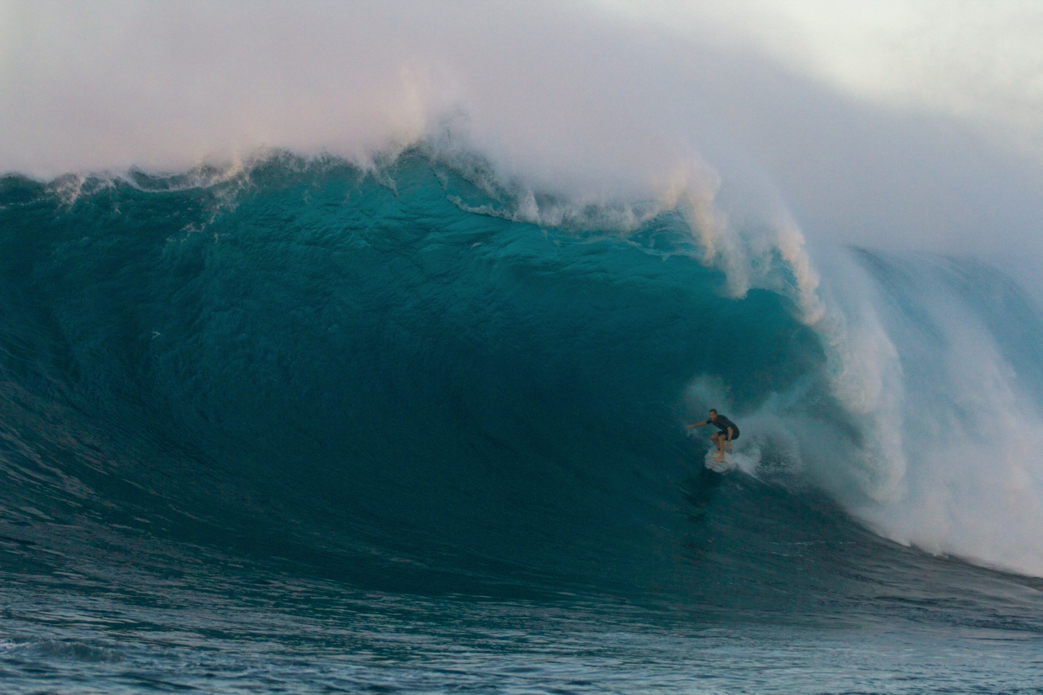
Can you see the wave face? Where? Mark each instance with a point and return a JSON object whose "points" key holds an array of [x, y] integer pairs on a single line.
{"points": [[396, 377]]}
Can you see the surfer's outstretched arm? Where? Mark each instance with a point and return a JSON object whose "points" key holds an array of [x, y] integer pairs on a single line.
{"points": [[698, 424]]}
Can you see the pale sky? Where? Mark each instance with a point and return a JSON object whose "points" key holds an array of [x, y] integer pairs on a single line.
{"points": [[900, 125], [978, 60]]}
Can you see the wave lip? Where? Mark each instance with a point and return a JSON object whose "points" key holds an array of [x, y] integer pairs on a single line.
{"points": [[408, 367]]}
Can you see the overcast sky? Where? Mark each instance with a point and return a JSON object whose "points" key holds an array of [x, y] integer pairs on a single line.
{"points": [[978, 60], [904, 125]]}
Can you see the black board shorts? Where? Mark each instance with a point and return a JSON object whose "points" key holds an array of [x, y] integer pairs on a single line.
{"points": [[735, 434]]}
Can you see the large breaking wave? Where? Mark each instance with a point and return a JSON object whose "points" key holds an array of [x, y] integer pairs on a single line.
{"points": [[414, 370]]}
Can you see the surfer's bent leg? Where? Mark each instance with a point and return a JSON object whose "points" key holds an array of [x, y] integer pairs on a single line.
{"points": [[719, 440]]}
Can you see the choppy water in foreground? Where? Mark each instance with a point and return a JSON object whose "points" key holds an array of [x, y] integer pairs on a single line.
{"points": [[259, 634]]}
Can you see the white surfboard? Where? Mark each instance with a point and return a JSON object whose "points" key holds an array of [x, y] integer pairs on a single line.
{"points": [[718, 466]]}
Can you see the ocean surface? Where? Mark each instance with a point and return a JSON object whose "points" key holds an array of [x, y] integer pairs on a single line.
{"points": [[304, 426]]}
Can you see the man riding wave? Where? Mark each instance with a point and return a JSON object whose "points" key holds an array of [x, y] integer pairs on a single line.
{"points": [[727, 431]]}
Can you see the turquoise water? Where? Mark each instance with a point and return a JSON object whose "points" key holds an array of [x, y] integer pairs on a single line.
{"points": [[305, 428]]}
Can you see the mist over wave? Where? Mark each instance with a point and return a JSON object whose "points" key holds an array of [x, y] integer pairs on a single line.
{"points": [[568, 97], [235, 301]]}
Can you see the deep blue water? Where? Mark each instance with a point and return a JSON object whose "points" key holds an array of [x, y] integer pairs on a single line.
{"points": [[304, 427]]}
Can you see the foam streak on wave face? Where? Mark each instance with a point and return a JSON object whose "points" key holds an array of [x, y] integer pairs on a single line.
{"points": [[973, 433]]}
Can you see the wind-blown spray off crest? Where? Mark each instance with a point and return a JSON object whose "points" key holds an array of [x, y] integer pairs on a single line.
{"points": [[569, 118], [605, 116]]}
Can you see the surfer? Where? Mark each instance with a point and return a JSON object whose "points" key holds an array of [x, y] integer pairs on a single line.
{"points": [[727, 431]]}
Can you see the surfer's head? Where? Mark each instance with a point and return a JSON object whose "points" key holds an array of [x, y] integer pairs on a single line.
{"points": [[713, 414]]}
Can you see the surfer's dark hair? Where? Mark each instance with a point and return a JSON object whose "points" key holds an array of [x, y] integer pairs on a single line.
{"points": [[713, 410]]}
